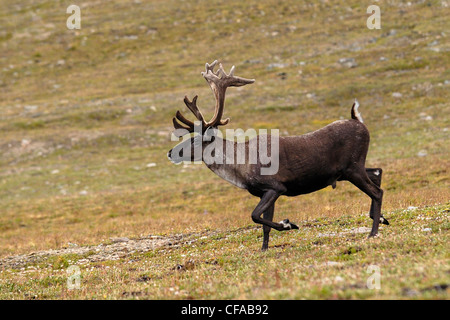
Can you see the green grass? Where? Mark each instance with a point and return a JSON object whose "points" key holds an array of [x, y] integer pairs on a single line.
{"points": [[84, 115], [323, 260]]}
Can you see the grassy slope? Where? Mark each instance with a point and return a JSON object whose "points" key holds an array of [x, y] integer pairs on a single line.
{"points": [[84, 112]]}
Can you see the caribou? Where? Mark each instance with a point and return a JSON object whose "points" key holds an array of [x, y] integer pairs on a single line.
{"points": [[305, 163]]}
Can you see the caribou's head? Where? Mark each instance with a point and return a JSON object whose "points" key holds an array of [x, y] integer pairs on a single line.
{"points": [[204, 133]]}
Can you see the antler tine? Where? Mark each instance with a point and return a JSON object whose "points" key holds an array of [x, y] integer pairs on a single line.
{"points": [[221, 74], [231, 74], [210, 67], [181, 118], [179, 126], [192, 105]]}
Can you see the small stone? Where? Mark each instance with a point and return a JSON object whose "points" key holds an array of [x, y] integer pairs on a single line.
{"points": [[422, 153], [348, 62], [30, 108], [392, 32], [277, 65], [25, 142]]}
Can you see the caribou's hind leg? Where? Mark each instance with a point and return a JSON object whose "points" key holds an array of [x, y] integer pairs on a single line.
{"points": [[375, 174], [360, 179]]}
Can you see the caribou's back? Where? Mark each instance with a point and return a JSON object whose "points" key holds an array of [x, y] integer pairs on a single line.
{"points": [[315, 160]]}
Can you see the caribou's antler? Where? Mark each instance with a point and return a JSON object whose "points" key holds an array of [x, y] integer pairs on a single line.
{"points": [[219, 81], [192, 105]]}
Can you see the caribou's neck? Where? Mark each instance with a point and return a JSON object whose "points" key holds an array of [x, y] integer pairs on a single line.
{"points": [[224, 163]]}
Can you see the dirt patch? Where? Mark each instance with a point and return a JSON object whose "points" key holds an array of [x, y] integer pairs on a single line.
{"points": [[116, 249], [119, 248]]}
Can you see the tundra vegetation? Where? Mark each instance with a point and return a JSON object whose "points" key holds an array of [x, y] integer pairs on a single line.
{"points": [[85, 123]]}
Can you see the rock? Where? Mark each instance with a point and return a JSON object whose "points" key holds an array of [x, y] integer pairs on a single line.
{"points": [[348, 62], [422, 153], [30, 108], [360, 230], [333, 264], [397, 95], [425, 117], [25, 142], [253, 61], [277, 65], [391, 32], [131, 37]]}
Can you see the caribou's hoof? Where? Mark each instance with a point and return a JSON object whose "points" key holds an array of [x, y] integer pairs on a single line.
{"points": [[383, 220], [373, 235], [288, 225]]}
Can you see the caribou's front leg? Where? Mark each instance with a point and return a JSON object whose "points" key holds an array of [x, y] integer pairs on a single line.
{"points": [[268, 215], [267, 203]]}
